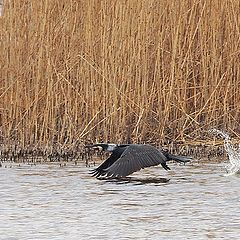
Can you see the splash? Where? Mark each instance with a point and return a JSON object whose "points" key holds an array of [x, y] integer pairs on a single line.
{"points": [[233, 167]]}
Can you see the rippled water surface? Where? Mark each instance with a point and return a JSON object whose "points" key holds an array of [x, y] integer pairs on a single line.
{"points": [[52, 202]]}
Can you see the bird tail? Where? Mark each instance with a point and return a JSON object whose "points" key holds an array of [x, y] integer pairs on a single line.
{"points": [[179, 158]]}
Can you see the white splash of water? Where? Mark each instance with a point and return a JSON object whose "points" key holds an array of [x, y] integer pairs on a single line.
{"points": [[233, 167]]}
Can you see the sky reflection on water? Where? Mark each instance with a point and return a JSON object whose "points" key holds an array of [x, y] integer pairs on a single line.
{"points": [[49, 202]]}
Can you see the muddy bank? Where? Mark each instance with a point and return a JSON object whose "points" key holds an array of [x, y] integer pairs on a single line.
{"points": [[200, 152]]}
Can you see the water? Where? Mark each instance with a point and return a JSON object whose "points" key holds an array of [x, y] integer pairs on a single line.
{"points": [[233, 153], [52, 202]]}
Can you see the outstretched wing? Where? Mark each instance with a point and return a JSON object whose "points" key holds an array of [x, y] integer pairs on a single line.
{"points": [[99, 171], [134, 158]]}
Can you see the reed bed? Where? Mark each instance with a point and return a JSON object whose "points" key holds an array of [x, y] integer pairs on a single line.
{"points": [[147, 71]]}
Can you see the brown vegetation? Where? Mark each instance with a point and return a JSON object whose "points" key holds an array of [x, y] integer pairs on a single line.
{"points": [[120, 71]]}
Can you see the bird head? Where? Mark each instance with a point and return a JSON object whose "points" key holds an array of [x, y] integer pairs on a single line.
{"points": [[109, 147]]}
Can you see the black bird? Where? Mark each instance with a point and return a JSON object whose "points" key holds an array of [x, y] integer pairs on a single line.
{"points": [[128, 158]]}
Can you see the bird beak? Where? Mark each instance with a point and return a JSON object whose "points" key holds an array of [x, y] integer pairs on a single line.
{"points": [[94, 147], [88, 146]]}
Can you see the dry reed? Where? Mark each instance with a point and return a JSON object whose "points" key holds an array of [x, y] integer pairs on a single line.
{"points": [[120, 71]]}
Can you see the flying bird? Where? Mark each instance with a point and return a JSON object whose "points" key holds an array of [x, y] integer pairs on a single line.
{"points": [[129, 158]]}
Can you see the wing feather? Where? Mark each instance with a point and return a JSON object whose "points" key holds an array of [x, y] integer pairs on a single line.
{"points": [[134, 158]]}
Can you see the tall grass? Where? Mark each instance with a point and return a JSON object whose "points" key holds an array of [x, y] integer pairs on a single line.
{"points": [[124, 71]]}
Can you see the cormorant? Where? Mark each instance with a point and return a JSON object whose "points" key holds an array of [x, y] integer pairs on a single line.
{"points": [[129, 158]]}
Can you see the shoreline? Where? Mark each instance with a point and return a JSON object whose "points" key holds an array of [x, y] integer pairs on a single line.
{"points": [[200, 151]]}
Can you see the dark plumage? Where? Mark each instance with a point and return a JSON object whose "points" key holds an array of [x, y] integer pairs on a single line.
{"points": [[128, 158]]}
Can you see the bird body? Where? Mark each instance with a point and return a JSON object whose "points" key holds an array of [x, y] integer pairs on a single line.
{"points": [[129, 158]]}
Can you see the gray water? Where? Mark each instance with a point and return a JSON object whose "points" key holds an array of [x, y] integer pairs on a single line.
{"points": [[52, 202]]}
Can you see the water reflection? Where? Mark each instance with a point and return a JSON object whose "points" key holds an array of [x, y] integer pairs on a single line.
{"points": [[49, 202], [135, 180]]}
